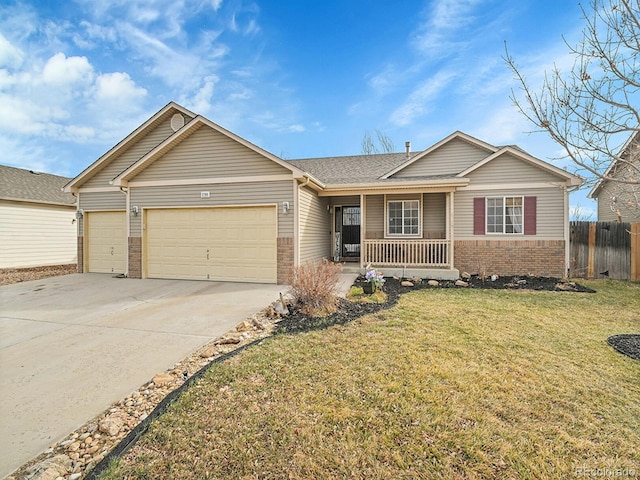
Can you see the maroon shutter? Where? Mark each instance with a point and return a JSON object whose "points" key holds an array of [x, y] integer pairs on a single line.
{"points": [[478, 216], [530, 214]]}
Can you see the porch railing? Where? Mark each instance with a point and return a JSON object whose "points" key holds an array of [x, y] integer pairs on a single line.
{"points": [[409, 253]]}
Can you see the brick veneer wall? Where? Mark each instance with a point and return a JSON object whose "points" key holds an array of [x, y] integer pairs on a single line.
{"points": [[511, 257], [80, 254], [285, 260], [135, 257]]}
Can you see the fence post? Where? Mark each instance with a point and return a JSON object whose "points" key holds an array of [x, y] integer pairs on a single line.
{"points": [[591, 262], [635, 251]]}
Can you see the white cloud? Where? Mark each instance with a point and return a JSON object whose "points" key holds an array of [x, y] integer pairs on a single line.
{"points": [[10, 56], [296, 128], [418, 103], [117, 86], [63, 71]]}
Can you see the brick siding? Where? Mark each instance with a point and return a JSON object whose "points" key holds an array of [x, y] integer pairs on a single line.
{"points": [[285, 260], [511, 257], [135, 257]]}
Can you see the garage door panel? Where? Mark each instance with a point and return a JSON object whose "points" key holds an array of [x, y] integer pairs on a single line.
{"points": [[106, 242], [228, 243]]}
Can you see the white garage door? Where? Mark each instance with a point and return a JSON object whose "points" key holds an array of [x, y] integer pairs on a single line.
{"points": [[106, 242], [225, 244]]}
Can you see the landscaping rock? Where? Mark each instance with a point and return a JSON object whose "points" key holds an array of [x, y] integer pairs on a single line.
{"points": [[208, 352], [461, 283], [433, 283], [162, 380], [112, 424], [407, 283], [416, 280], [465, 275], [494, 278], [227, 341], [244, 327]]}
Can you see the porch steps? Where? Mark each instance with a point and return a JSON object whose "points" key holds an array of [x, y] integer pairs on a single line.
{"points": [[426, 273]]}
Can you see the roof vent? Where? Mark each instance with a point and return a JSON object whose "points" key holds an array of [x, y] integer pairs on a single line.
{"points": [[177, 122], [407, 145]]}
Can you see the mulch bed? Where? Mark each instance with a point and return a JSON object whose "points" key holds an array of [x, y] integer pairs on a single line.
{"points": [[628, 344], [348, 311]]}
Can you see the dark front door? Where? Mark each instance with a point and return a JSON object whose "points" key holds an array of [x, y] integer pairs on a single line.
{"points": [[348, 231]]}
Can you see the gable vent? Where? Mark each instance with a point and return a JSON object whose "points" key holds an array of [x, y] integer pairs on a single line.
{"points": [[177, 122]]}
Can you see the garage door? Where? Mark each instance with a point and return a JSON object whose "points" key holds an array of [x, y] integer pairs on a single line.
{"points": [[106, 242], [225, 244]]}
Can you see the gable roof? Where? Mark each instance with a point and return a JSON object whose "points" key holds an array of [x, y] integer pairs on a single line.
{"points": [[455, 135], [601, 181], [183, 133], [125, 143], [22, 185], [574, 180]]}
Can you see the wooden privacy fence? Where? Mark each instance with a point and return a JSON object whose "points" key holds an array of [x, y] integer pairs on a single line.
{"points": [[605, 250]]}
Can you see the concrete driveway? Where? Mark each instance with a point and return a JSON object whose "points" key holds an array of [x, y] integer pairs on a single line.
{"points": [[70, 346]]}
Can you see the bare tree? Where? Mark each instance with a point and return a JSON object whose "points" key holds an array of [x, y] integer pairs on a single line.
{"points": [[591, 111], [370, 147]]}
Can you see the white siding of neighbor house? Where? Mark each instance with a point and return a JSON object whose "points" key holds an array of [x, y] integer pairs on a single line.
{"points": [[507, 169], [549, 213], [451, 158], [253, 193], [208, 154], [133, 154], [34, 235], [314, 226]]}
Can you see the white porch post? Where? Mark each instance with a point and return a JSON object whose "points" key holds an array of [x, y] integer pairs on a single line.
{"points": [[450, 222], [363, 219]]}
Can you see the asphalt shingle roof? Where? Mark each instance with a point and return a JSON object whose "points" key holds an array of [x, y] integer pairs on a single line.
{"points": [[26, 185], [358, 169]]}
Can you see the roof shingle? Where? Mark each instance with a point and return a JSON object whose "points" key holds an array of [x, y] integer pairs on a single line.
{"points": [[30, 186]]}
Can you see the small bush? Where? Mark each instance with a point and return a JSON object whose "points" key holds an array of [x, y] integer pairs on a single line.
{"points": [[314, 287]]}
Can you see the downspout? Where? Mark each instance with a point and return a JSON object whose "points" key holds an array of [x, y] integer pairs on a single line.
{"points": [[125, 190]]}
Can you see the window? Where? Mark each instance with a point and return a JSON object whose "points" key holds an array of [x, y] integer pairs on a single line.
{"points": [[403, 217], [505, 215]]}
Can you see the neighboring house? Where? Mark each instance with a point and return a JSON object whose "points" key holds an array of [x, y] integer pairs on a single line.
{"points": [[181, 197], [617, 201], [37, 220]]}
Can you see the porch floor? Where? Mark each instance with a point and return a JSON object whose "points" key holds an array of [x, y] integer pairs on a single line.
{"points": [[426, 273]]}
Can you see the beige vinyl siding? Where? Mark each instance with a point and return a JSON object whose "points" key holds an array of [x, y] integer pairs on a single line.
{"points": [[374, 227], [34, 235], [346, 201], [451, 158], [434, 215], [508, 169], [209, 154], [626, 203], [143, 146], [549, 213], [253, 193], [315, 226], [96, 201]]}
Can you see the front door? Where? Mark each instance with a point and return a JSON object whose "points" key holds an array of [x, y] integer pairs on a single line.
{"points": [[347, 245]]}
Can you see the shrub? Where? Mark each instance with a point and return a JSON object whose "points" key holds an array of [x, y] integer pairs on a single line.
{"points": [[314, 287]]}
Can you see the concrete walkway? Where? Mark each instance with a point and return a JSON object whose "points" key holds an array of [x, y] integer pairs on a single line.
{"points": [[70, 346]]}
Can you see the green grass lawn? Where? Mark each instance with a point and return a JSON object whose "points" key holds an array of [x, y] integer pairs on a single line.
{"points": [[450, 383]]}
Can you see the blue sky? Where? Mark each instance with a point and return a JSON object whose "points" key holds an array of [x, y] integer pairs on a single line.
{"points": [[298, 78]]}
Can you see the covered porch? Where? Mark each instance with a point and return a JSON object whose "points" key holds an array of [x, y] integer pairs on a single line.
{"points": [[403, 233]]}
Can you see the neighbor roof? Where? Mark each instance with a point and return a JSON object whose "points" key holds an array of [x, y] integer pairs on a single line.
{"points": [[28, 186]]}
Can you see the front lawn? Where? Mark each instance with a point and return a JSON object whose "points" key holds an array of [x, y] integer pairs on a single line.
{"points": [[450, 383]]}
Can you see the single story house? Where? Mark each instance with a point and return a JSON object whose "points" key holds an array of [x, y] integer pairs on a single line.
{"points": [[37, 220], [619, 201], [181, 197]]}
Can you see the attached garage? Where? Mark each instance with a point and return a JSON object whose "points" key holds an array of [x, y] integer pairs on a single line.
{"points": [[106, 239], [211, 243]]}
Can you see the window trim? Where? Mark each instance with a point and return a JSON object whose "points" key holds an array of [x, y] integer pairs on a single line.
{"points": [[389, 199], [504, 213]]}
